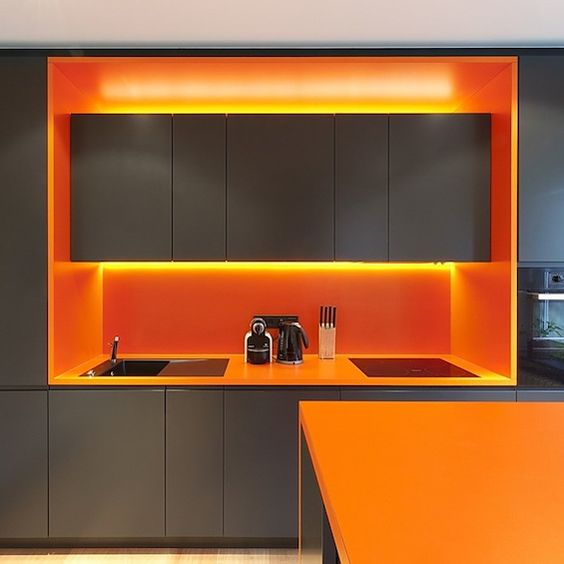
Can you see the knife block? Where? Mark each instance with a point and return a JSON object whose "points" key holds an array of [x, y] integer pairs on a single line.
{"points": [[327, 338]]}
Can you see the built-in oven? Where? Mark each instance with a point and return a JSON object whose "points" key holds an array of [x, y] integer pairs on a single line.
{"points": [[540, 327]]}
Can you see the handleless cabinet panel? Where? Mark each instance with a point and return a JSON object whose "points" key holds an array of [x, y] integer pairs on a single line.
{"points": [[199, 187], [23, 224], [23, 464], [106, 463], [440, 187], [194, 463], [280, 194], [261, 461], [541, 166], [428, 394], [121, 175], [361, 187]]}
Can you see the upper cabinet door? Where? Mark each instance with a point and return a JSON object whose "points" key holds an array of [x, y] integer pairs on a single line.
{"points": [[199, 187], [541, 165], [361, 187], [121, 187], [440, 187], [280, 193], [23, 228]]}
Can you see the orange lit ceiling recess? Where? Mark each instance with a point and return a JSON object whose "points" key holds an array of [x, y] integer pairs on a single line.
{"points": [[279, 84]]}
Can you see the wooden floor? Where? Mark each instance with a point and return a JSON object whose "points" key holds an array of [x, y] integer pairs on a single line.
{"points": [[146, 556]]}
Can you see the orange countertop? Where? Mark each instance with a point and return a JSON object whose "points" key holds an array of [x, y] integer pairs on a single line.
{"points": [[313, 372], [440, 482]]}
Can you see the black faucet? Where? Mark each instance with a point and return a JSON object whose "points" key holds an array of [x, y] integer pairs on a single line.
{"points": [[115, 344]]}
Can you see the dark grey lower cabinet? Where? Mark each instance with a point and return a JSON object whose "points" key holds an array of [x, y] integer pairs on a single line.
{"points": [[545, 395], [23, 464], [261, 461], [194, 463], [429, 394], [106, 463]]}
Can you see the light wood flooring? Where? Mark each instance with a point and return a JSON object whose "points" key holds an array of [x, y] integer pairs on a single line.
{"points": [[146, 556]]}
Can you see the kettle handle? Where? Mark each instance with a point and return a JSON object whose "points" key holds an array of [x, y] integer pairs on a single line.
{"points": [[305, 339]]}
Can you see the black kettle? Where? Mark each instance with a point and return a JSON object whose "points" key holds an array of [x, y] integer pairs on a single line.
{"points": [[292, 335]]}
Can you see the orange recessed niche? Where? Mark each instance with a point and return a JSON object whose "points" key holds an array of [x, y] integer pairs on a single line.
{"points": [[467, 310]]}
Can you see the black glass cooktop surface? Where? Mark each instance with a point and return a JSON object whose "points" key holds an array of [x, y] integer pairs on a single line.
{"points": [[410, 367]]}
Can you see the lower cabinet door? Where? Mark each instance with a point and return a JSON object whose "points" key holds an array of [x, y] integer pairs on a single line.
{"points": [[106, 463], [429, 394], [261, 461], [194, 463], [23, 464]]}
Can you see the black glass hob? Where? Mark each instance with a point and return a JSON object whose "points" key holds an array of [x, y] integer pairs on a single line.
{"points": [[410, 367]]}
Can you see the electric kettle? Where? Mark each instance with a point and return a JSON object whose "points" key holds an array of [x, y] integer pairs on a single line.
{"points": [[292, 335]]}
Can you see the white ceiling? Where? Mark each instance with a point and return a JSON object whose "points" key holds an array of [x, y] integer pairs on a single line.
{"points": [[279, 23]]}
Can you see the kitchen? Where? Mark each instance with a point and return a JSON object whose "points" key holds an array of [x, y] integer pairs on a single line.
{"points": [[191, 202]]}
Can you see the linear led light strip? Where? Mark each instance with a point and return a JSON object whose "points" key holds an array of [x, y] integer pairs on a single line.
{"points": [[548, 296]]}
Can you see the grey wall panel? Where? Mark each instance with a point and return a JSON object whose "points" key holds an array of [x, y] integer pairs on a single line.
{"points": [[541, 166], [23, 225], [194, 463], [106, 463], [440, 187], [361, 187], [280, 193], [23, 464], [261, 463], [121, 175], [199, 187]]}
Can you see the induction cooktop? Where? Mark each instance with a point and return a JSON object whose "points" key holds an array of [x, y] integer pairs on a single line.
{"points": [[410, 367]]}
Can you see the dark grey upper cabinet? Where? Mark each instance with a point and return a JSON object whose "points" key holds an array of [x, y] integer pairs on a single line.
{"points": [[23, 226], [439, 187], [541, 166], [361, 187], [23, 464], [106, 463], [198, 187], [194, 463], [261, 461], [280, 194], [121, 178]]}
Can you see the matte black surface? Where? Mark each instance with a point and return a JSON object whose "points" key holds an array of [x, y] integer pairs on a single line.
{"points": [[261, 463], [280, 194], [361, 187], [194, 463], [541, 166], [23, 464], [136, 368], [196, 367], [440, 187], [204, 367], [121, 178], [23, 225], [428, 394], [199, 187], [410, 367], [106, 463]]}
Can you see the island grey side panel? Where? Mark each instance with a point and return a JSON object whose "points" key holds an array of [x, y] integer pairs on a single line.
{"points": [[23, 225], [541, 166], [121, 187], [280, 193], [23, 464], [440, 187], [106, 463], [261, 461], [198, 187], [546, 395], [428, 394], [194, 463], [361, 187]]}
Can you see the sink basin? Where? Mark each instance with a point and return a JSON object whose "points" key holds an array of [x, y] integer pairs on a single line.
{"points": [[195, 367]]}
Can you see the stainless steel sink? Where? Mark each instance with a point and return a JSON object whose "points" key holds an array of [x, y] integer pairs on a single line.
{"points": [[195, 367]]}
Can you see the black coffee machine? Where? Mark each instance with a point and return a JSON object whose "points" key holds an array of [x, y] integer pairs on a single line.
{"points": [[290, 340]]}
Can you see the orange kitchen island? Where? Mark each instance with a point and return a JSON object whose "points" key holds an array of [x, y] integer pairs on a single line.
{"points": [[431, 483]]}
